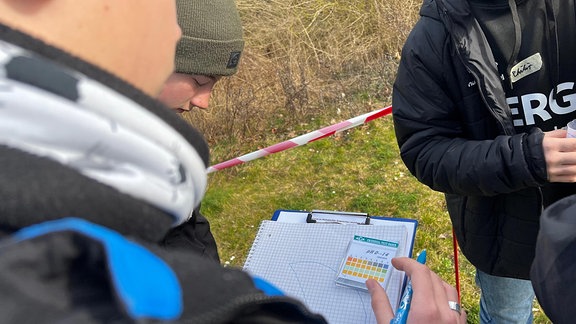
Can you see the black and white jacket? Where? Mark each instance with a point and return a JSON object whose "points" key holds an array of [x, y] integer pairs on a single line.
{"points": [[93, 174]]}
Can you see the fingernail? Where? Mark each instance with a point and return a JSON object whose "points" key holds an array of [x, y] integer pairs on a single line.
{"points": [[370, 285]]}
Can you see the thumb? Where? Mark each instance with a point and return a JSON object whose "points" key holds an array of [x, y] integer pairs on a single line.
{"points": [[380, 302]]}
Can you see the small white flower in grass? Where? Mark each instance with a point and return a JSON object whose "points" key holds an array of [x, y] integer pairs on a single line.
{"points": [[227, 263], [232, 258], [334, 192]]}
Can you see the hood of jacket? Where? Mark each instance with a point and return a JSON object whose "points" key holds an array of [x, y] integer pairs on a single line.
{"points": [[76, 141]]}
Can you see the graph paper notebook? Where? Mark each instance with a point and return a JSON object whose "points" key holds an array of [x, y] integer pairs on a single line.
{"points": [[304, 261]]}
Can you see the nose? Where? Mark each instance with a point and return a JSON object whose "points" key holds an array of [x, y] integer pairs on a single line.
{"points": [[178, 32], [201, 99]]}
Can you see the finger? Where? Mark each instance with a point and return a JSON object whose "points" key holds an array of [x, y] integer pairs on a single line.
{"points": [[561, 173], [423, 300], [418, 273], [431, 294], [452, 295], [565, 158], [442, 296], [440, 292], [447, 293], [558, 133], [556, 144], [463, 318], [380, 302], [562, 168], [451, 292], [560, 178]]}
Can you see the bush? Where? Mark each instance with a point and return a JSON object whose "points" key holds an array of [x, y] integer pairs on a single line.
{"points": [[329, 60]]}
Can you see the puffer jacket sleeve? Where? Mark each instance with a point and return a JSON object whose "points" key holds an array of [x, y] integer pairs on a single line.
{"points": [[432, 127]]}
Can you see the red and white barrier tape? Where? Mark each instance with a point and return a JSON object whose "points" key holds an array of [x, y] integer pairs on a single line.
{"points": [[303, 139]]}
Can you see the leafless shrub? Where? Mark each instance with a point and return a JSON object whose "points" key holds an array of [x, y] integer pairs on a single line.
{"points": [[308, 58]]}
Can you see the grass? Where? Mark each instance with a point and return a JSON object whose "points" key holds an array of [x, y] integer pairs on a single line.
{"points": [[323, 62], [356, 171]]}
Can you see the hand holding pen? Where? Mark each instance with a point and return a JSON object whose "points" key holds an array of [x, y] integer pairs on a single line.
{"points": [[402, 312], [430, 299]]}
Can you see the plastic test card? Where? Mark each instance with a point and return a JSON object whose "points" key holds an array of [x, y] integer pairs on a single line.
{"points": [[367, 258]]}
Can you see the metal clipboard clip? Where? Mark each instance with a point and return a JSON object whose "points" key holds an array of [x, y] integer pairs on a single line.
{"points": [[337, 217]]}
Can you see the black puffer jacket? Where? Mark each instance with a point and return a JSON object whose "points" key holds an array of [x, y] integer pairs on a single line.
{"points": [[73, 271], [456, 135], [554, 264]]}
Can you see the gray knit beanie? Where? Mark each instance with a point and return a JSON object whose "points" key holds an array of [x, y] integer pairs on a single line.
{"points": [[211, 42]]}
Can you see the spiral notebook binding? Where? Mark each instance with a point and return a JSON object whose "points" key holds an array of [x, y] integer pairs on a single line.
{"points": [[254, 244]]}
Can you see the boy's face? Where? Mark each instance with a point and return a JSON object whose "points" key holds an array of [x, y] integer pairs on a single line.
{"points": [[133, 39], [142, 39], [182, 91]]}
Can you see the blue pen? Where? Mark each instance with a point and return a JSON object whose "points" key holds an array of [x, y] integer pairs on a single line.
{"points": [[402, 312]]}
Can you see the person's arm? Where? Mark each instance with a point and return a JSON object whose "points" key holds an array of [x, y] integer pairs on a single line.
{"points": [[429, 300], [447, 138], [193, 235]]}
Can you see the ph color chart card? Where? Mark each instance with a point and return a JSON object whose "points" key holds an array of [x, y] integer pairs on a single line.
{"points": [[367, 258]]}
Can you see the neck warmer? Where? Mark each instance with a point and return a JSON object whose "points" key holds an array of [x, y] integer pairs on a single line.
{"points": [[79, 146]]}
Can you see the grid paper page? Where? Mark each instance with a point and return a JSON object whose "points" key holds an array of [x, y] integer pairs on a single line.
{"points": [[303, 260]]}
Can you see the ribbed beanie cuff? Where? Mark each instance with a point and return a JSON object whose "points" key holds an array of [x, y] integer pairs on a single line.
{"points": [[211, 42]]}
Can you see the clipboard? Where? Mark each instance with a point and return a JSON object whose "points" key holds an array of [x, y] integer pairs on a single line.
{"points": [[303, 258], [300, 216]]}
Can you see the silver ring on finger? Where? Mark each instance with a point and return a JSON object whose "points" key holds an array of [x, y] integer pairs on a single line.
{"points": [[454, 306]]}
